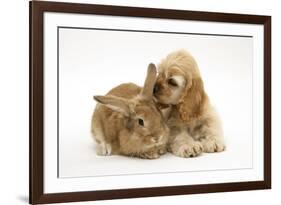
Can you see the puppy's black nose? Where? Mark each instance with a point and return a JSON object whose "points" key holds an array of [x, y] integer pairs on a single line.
{"points": [[155, 89]]}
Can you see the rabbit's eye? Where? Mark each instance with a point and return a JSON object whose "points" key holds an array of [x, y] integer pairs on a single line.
{"points": [[141, 122]]}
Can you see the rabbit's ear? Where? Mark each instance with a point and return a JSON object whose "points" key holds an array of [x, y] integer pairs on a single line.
{"points": [[115, 103], [147, 90]]}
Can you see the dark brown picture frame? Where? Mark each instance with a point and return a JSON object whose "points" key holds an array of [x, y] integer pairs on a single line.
{"points": [[37, 8]]}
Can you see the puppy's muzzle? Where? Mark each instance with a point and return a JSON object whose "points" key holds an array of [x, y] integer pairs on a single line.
{"points": [[155, 89]]}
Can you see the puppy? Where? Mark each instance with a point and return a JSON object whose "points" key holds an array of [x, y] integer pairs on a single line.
{"points": [[194, 123]]}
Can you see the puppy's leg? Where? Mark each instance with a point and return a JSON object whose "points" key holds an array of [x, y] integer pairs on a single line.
{"points": [[212, 143], [211, 137], [183, 145]]}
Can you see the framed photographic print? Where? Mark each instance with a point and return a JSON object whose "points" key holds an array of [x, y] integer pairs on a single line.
{"points": [[139, 102]]}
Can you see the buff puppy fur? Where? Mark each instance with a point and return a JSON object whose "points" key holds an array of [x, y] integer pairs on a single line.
{"points": [[194, 124]]}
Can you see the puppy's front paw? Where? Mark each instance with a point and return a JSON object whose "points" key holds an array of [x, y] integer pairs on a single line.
{"points": [[149, 155], [189, 150], [213, 146]]}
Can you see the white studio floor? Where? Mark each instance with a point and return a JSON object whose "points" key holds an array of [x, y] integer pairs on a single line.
{"points": [[78, 159], [84, 72]]}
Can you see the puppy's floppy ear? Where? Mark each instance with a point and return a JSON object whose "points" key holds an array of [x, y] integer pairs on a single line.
{"points": [[192, 101], [147, 90], [115, 103]]}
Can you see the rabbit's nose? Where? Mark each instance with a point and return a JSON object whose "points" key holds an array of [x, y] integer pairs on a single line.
{"points": [[155, 89], [160, 138], [156, 139]]}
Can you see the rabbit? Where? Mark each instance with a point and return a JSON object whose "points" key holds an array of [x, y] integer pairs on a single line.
{"points": [[127, 122]]}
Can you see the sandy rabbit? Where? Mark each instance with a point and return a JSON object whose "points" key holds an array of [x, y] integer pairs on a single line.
{"points": [[126, 121]]}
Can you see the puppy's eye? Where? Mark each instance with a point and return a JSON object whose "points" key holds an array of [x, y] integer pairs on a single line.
{"points": [[172, 82], [141, 122]]}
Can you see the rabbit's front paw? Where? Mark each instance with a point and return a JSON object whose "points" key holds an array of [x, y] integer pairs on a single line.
{"points": [[149, 155], [162, 151], [189, 150], [104, 149]]}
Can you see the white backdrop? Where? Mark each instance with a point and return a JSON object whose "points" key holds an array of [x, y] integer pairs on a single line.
{"points": [[94, 61], [14, 101], [76, 71]]}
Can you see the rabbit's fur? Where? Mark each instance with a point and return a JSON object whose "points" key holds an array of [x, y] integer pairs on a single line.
{"points": [[126, 121]]}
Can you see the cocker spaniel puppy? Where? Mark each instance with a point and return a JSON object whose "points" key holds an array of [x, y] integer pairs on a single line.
{"points": [[194, 123]]}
